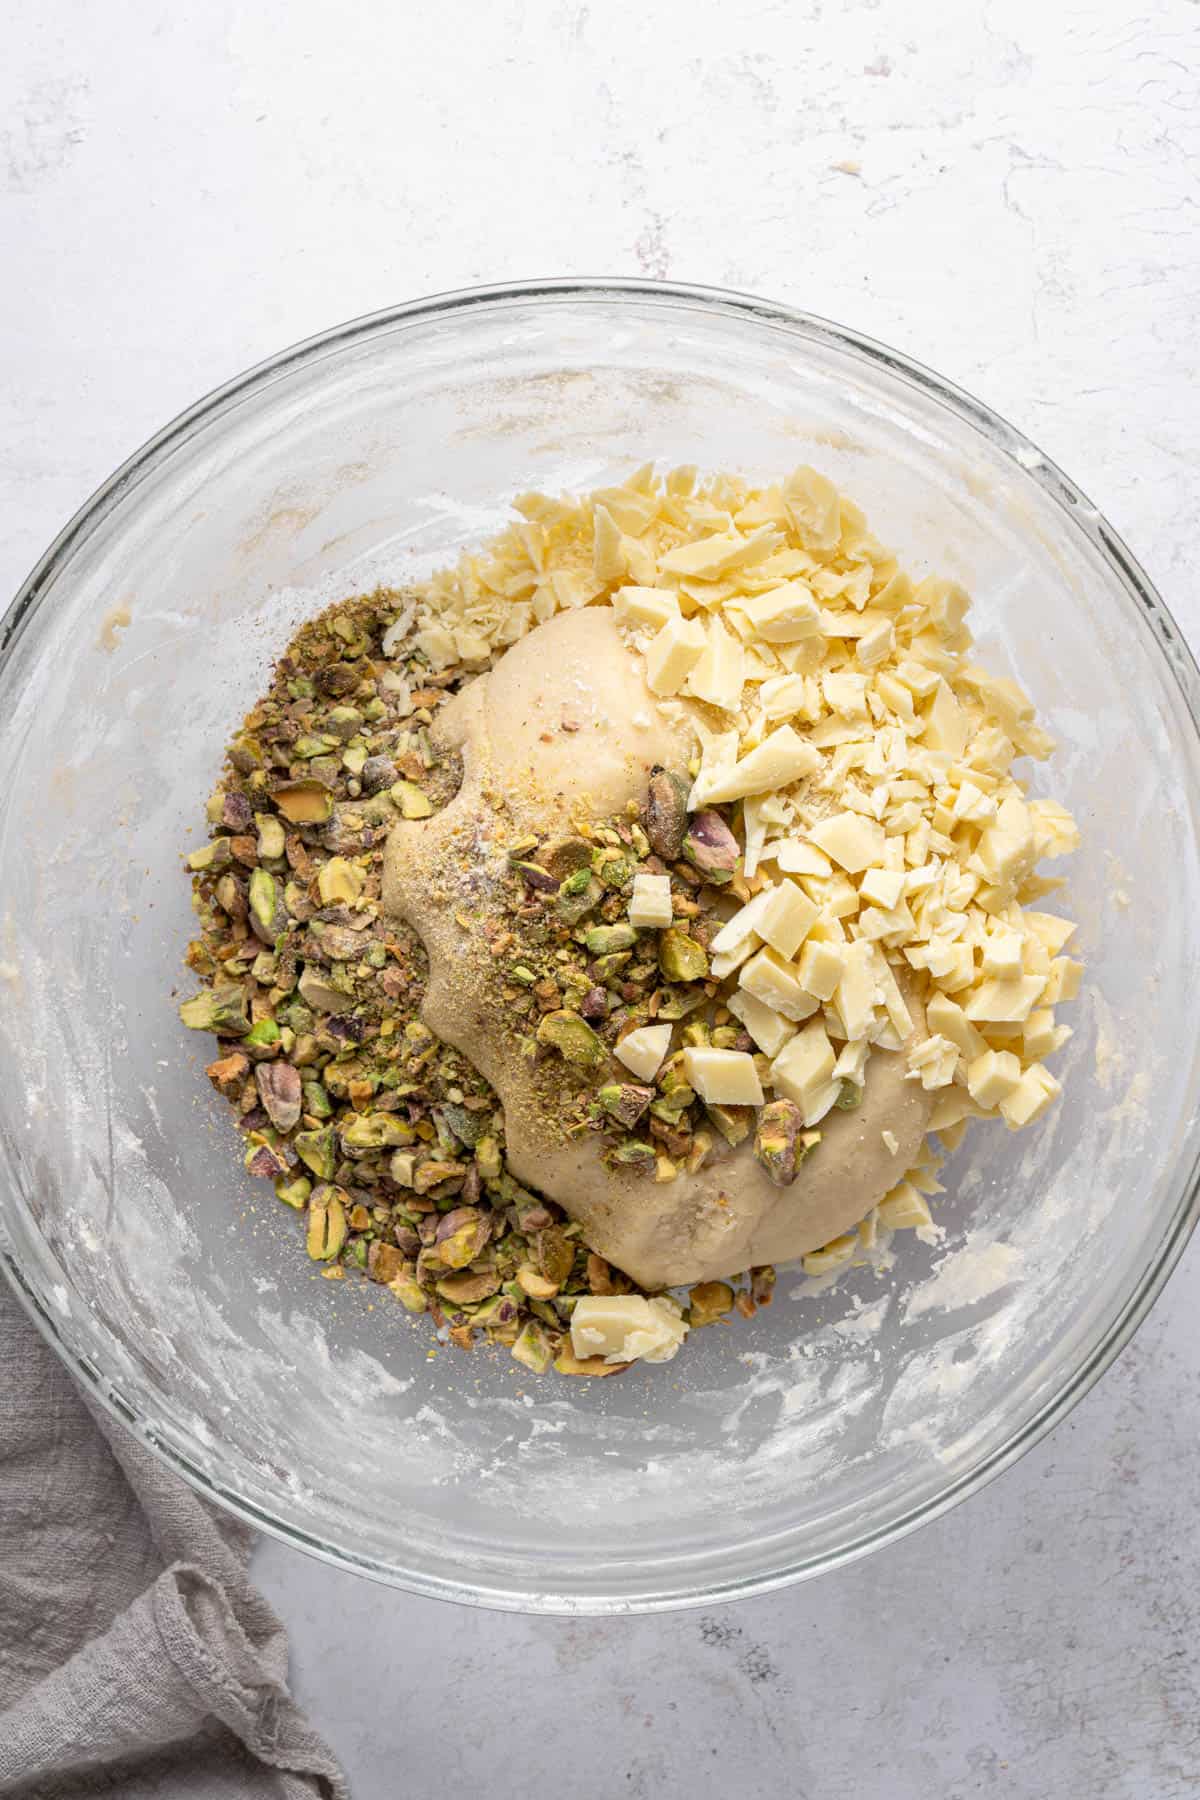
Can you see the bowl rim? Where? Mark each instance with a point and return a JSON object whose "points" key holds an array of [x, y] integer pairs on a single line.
{"points": [[1033, 463]]}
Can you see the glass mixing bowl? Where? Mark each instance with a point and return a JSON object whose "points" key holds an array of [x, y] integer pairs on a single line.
{"points": [[177, 1288]]}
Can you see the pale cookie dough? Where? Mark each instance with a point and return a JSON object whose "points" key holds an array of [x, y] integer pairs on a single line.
{"points": [[565, 722]]}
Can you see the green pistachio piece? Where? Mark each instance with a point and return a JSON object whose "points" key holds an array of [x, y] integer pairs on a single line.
{"points": [[573, 1038], [217, 1010], [635, 1155], [264, 905], [615, 872], [533, 1348], [272, 839], [368, 1132], [575, 884], [307, 747], [602, 940], [850, 1096], [305, 802], [326, 1224], [487, 1158], [625, 1102], [344, 722], [576, 905], [709, 1301], [321, 995], [779, 1145], [666, 813], [262, 1036], [294, 1193], [409, 1293], [317, 1150], [317, 1101], [466, 1288], [413, 803], [711, 847], [679, 1002], [680, 957], [607, 968]]}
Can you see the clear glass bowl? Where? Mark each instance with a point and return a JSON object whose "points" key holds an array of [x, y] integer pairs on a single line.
{"points": [[179, 1290]]}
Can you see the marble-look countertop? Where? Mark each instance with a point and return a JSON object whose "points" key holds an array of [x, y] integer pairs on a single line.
{"points": [[1006, 192]]}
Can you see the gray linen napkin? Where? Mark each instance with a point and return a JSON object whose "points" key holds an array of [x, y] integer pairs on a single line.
{"points": [[136, 1659]]}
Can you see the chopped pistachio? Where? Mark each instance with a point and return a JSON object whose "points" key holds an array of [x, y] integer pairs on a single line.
{"points": [[573, 1038], [216, 1010], [305, 802], [680, 957], [666, 813], [602, 940], [533, 1348], [777, 1142], [317, 1150], [413, 802], [326, 1224], [271, 836], [711, 847], [294, 1193], [709, 1300], [409, 1293], [340, 882], [625, 1102]]}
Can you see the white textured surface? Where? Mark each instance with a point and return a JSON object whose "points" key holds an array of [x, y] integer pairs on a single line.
{"points": [[1007, 193]]}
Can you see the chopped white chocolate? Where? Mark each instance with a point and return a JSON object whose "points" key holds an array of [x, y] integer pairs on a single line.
{"points": [[722, 1077], [769, 1029], [883, 887], [719, 673], [794, 856], [821, 968], [787, 918], [993, 1076], [742, 928], [1032, 1095], [803, 1070], [643, 1051], [904, 1209], [784, 615], [776, 983], [1004, 1002], [650, 902], [933, 1061], [853, 841], [831, 1256], [627, 1327], [948, 1019], [891, 1142], [856, 990], [779, 760], [645, 607], [712, 556], [673, 654]]}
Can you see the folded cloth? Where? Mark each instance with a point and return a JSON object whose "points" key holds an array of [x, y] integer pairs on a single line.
{"points": [[136, 1658]]}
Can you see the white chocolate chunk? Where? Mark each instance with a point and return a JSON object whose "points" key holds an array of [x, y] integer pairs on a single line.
{"points": [[742, 928], [1004, 1002], [934, 1061], [769, 1029], [948, 1019], [851, 840], [723, 1077], [644, 1050], [719, 674], [795, 856], [716, 555], [781, 758], [803, 1072], [673, 654], [626, 1327], [856, 990], [787, 918], [784, 615], [876, 645], [645, 606], [904, 1209], [1002, 953], [776, 983], [1034, 1092], [883, 887], [821, 968], [650, 902], [783, 696], [993, 1076]]}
